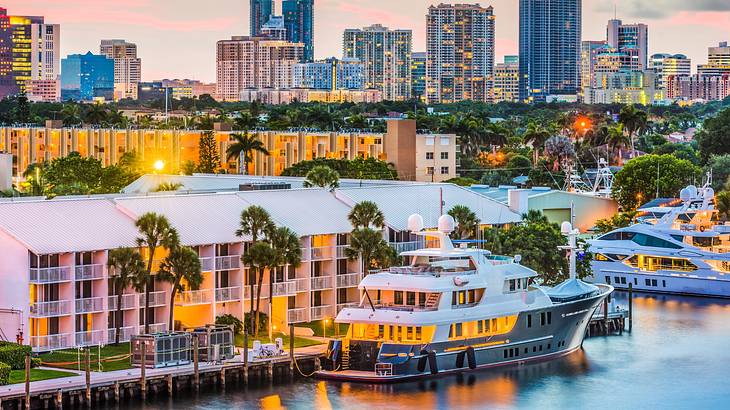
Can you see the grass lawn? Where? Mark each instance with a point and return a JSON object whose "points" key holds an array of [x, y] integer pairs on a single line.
{"points": [[319, 329], [298, 341], [18, 376], [67, 358]]}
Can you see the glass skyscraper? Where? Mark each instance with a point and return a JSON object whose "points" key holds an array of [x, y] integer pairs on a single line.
{"points": [[261, 12], [299, 23], [550, 40], [85, 76]]}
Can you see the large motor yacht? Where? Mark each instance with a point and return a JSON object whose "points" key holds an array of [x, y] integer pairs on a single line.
{"points": [[680, 250], [457, 309]]}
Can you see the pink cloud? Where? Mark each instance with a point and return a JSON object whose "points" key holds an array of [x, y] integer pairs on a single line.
{"points": [[715, 19]]}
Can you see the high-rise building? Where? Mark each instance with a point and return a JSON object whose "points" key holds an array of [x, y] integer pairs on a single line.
{"points": [[299, 23], [7, 80], [550, 34], [665, 65], [87, 76], [252, 63], [718, 61], [624, 87], [632, 39], [386, 55], [507, 80], [460, 47], [418, 75], [589, 51], [261, 12], [329, 74], [698, 87], [127, 67], [274, 28]]}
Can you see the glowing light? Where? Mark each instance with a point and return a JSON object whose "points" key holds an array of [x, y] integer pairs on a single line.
{"points": [[159, 165]]}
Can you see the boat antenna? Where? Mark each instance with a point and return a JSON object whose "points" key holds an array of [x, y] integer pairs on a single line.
{"points": [[370, 301]]}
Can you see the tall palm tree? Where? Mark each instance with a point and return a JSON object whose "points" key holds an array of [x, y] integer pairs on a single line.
{"points": [[71, 113], [365, 243], [467, 221], [537, 135], [181, 267], [260, 256], [617, 140], [366, 214], [287, 252], [322, 176], [126, 267], [633, 120], [155, 232], [256, 222], [723, 205], [243, 148], [96, 114]]}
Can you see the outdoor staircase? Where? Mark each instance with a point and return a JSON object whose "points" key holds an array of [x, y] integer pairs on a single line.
{"points": [[345, 357], [432, 301]]}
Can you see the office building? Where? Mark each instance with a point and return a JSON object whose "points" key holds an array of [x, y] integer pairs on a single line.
{"points": [[718, 61], [274, 29], [506, 80], [698, 87], [261, 12], [550, 48], [43, 90], [305, 95], [87, 76], [589, 51], [7, 79], [127, 67], [624, 87], [329, 74], [418, 75], [299, 24], [632, 39], [386, 55], [665, 65], [460, 47], [188, 88]]}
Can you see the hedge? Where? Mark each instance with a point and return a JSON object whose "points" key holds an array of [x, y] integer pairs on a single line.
{"points": [[4, 374], [13, 354]]}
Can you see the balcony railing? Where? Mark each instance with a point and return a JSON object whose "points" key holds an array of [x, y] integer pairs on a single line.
{"points": [[194, 297], [129, 301], [89, 305], [230, 294], [207, 264], [285, 288], [154, 328], [321, 312], [264, 291], [348, 280], [302, 284], [50, 342], [227, 262], [321, 253], [156, 299], [321, 282], [340, 251], [413, 245], [341, 306], [297, 315], [90, 338], [51, 309], [50, 275], [125, 334], [89, 272]]}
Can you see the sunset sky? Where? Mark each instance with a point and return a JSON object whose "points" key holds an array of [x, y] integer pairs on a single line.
{"points": [[176, 38]]}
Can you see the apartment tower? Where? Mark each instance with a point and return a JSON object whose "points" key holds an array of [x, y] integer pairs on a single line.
{"points": [[261, 12], [127, 67], [299, 23]]}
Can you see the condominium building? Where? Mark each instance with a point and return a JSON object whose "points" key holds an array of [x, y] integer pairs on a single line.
{"points": [[57, 290], [718, 61], [507, 80], [418, 75], [589, 51], [261, 12], [254, 63], [87, 76], [299, 22], [274, 29], [632, 39], [434, 158], [305, 95], [329, 74], [127, 67], [460, 47], [698, 87], [550, 48], [386, 55], [43, 90], [188, 88], [624, 87], [665, 65]]}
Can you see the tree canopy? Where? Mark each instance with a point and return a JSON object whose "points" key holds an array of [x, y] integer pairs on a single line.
{"points": [[714, 139], [358, 168]]}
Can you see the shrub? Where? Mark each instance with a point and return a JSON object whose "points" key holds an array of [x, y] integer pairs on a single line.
{"points": [[230, 320], [4, 374], [35, 362], [13, 354], [263, 322]]}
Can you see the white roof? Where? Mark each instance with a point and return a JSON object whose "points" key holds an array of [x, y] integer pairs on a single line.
{"points": [[400, 201]]}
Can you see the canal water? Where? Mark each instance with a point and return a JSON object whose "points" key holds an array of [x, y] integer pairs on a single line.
{"points": [[677, 357]]}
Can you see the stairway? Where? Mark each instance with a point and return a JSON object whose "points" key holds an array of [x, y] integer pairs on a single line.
{"points": [[432, 300], [345, 357]]}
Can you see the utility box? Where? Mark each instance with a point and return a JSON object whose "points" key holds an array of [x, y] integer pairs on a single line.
{"points": [[215, 343], [162, 349]]}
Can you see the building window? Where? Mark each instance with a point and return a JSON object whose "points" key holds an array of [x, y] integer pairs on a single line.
{"points": [[444, 155], [445, 141], [429, 140], [429, 170], [444, 170], [429, 155]]}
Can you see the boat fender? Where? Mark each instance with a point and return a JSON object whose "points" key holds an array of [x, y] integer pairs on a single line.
{"points": [[471, 357], [432, 365], [460, 359], [422, 361]]}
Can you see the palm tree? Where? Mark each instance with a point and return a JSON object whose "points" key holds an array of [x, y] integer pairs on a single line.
{"points": [[537, 135], [245, 121], [260, 256], [168, 186], [366, 214], [96, 114], [287, 252], [243, 149], [723, 205], [467, 221], [71, 113], [633, 120], [322, 176], [155, 232], [126, 267], [617, 140], [256, 222], [180, 267], [365, 243]]}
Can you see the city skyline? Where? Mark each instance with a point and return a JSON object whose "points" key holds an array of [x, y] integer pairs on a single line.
{"points": [[156, 25]]}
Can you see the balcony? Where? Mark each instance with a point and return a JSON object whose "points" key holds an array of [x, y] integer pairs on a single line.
{"points": [[90, 338], [194, 297], [297, 315], [129, 301], [89, 272], [340, 251], [50, 275], [348, 280], [50, 342], [206, 264], [50, 309], [125, 334], [341, 306], [231, 294], [302, 284], [154, 328], [321, 253], [321, 282], [285, 288], [90, 305], [321, 312], [157, 299], [264, 292], [227, 262]]}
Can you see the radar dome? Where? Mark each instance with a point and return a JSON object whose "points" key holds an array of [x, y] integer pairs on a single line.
{"points": [[684, 195], [415, 223], [566, 227], [692, 191], [709, 192], [446, 224]]}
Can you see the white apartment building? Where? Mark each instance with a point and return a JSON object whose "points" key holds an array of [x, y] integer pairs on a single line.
{"points": [[127, 67]]}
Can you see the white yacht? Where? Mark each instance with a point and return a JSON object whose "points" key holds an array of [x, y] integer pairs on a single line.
{"points": [[682, 250], [455, 309]]}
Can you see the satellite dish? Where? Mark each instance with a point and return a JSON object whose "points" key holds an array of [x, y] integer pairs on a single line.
{"points": [[684, 195], [446, 224], [692, 191], [566, 227], [518, 258], [415, 223]]}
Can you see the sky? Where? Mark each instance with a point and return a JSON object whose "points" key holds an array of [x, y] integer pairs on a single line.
{"points": [[176, 38]]}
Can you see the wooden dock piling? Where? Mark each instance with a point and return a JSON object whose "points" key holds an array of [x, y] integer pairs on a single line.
{"points": [[143, 368], [196, 369], [87, 368], [27, 381], [631, 306]]}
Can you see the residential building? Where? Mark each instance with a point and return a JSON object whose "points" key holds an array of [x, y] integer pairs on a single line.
{"points": [[261, 12], [418, 75], [435, 155], [460, 47], [550, 48], [127, 67], [589, 51], [87, 76], [624, 87], [329, 74], [299, 23], [188, 88], [7, 78], [632, 39], [386, 55], [698, 87], [305, 95], [718, 61], [149, 91], [274, 29], [43, 90], [665, 65], [507, 80], [254, 63]]}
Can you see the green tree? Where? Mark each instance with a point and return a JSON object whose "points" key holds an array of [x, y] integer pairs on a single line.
{"points": [[71, 114], [155, 232], [181, 269], [536, 134], [208, 158], [637, 181], [260, 256], [243, 148], [287, 254], [620, 220], [617, 140], [126, 267], [168, 186], [720, 167], [723, 205], [95, 114], [467, 222], [714, 138], [366, 214], [634, 121], [22, 110], [369, 245], [358, 168], [323, 177]]}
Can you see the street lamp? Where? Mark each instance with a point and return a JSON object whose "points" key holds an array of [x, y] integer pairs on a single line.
{"points": [[324, 327], [159, 165]]}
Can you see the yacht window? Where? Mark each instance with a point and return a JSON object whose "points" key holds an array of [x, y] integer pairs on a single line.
{"points": [[613, 236], [678, 238], [421, 298], [529, 320], [411, 298], [705, 241], [647, 240], [381, 332], [549, 317], [398, 297], [512, 285]]}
